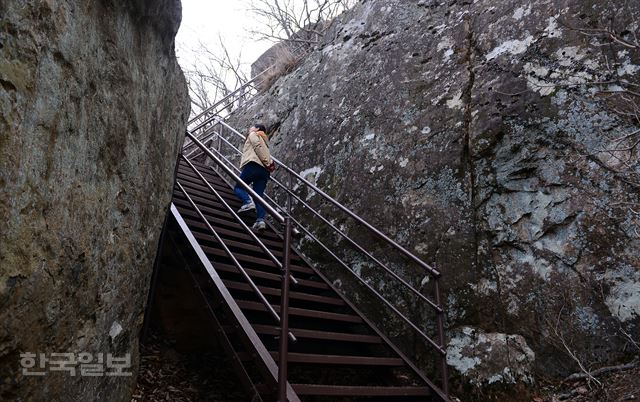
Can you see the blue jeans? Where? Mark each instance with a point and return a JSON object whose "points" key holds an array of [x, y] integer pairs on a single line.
{"points": [[256, 176]]}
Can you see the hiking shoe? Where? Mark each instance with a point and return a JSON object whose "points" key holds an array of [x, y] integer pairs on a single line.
{"points": [[247, 207], [259, 225]]}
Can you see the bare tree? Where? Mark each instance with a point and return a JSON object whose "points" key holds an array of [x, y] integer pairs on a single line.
{"points": [[620, 152], [295, 24], [623, 150], [303, 22], [215, 75]]}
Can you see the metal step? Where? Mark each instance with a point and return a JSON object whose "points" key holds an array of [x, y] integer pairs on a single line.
{"points": [[345, 390], [228, 234], [188, 175], [217, 222], [205, 205], [195, 183], [294, 295], [301, 312], [325, 335], [341, 359], [348, 339], [266, 275], [252, 247], [217, 252]]}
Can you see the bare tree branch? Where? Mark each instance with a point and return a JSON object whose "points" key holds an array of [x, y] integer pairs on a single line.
{"points": [[214, 75], [601, 371], [556, 329], [300, 21]]}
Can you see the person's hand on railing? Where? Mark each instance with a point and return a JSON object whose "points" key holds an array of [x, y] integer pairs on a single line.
{"points": [[272, 167]]}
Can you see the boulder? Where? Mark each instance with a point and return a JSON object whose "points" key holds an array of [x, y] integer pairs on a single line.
{"points": [[482, 136], [93, 107]]}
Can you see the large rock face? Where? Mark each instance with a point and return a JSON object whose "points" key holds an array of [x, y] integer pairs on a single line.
{"points": [[92, 111], [476, 135]]}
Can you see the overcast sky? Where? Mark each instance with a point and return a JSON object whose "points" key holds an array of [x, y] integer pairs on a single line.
{"points": [[204, 20]]}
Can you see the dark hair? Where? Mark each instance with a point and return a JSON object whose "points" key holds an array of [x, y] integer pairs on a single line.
{"points": [[260, 127]]}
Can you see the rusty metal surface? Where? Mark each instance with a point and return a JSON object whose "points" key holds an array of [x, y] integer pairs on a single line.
{"points": [[264, 359], [252, 270]]}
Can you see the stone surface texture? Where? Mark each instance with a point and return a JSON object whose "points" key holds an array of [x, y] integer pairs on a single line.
{"points": [[93, 107], [481, 136]]}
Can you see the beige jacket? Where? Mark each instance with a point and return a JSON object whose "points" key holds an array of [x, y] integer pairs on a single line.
{"points": [[256, 149]]}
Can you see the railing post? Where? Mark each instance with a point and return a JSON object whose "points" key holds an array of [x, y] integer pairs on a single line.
{"points": [[441, 340], [289, 194], [219, 146], [438, 344], [284, 315]]}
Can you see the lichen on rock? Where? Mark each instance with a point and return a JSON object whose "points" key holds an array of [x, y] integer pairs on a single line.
{"points": [[93, 107], [490, 358], [475, 135]]}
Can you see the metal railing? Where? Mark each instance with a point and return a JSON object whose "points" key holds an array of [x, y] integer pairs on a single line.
{"points": [[214, 111], [298, 52], [227, 165], [283, 318]]}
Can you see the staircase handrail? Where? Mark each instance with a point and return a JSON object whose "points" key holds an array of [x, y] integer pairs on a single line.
{"points": [[439, 346], [257, 198], [435, 273], [215, 105]]}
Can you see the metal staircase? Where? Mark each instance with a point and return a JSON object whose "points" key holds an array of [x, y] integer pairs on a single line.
{"points": [[292, 335]]}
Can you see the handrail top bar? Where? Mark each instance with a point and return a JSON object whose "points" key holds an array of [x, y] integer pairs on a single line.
{"points": [[437, 308], [198, 127], [224, 167], [243, 86], [215, 105], [219, 120], [207, 135], [352, 214], [204, 123], [210, 132], [226, 249]]}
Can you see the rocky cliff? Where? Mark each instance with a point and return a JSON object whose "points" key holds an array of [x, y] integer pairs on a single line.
{"points": [[498, 140], [93, 107]]}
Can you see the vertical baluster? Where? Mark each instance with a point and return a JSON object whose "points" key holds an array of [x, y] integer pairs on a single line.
{"points": [[284, 315], [219, 146], [441, 340], [290, 184], [284, 304]]}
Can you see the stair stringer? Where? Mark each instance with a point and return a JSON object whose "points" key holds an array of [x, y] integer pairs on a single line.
{"points": [[263, 356]]}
